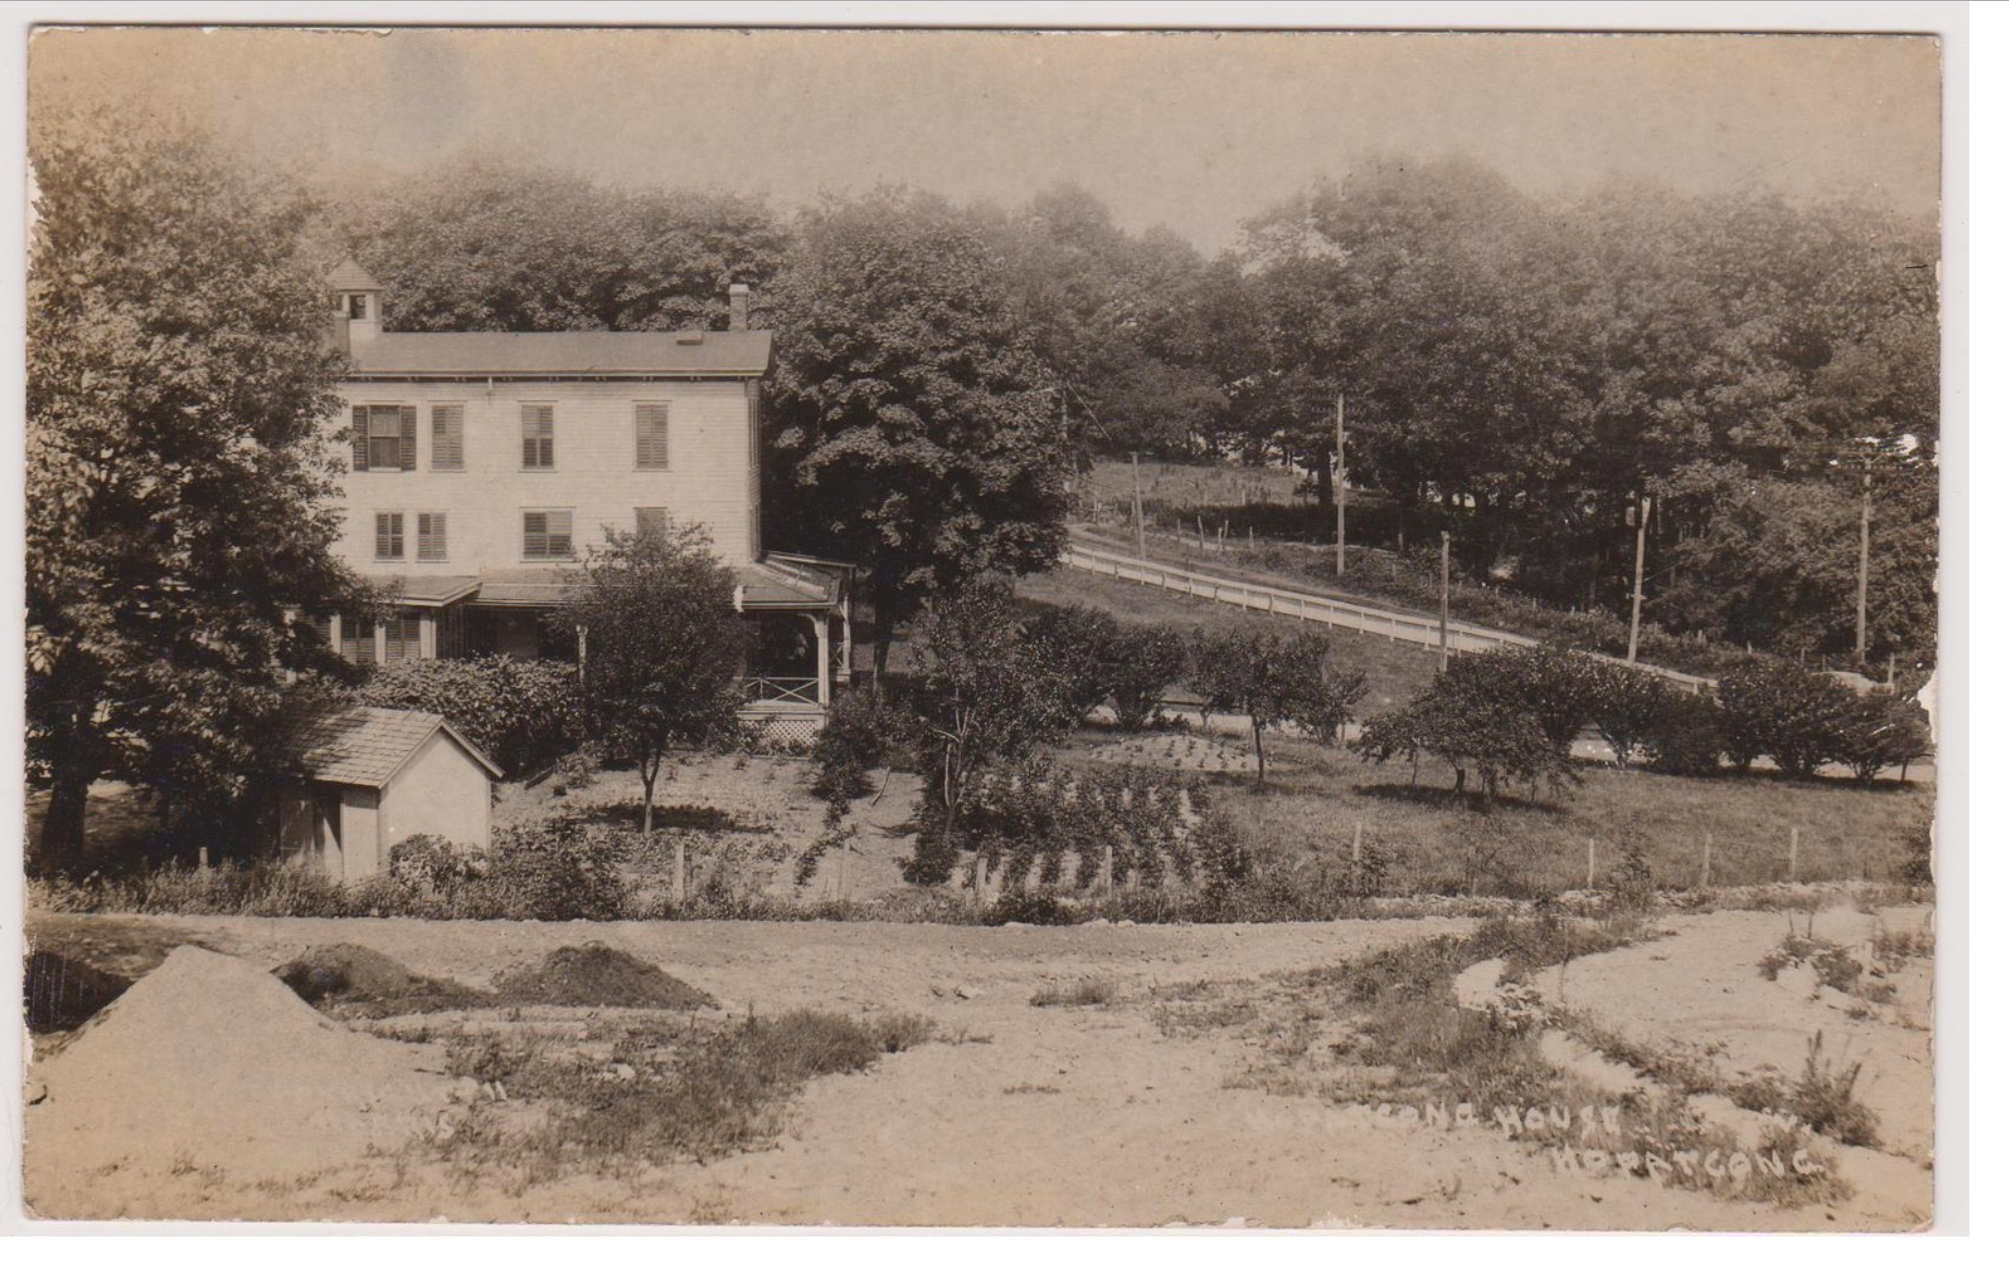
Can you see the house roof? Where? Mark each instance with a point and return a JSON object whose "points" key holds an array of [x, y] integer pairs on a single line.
{"points": [[367, 746], [714, 354], [349, 277]]}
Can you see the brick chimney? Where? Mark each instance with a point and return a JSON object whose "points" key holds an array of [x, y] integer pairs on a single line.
{"points": [[739, 299]]}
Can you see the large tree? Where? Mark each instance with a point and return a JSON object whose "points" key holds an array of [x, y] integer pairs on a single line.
{"points": [[492, 246], [917, 433], [178, 376]]}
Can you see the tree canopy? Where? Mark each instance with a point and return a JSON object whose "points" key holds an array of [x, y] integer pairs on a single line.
{"points": [[178, 376], [916, 432]]}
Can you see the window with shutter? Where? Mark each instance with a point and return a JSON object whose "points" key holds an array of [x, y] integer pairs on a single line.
{"points": [[359, 640], [652, 436], [408, 437], [537, 436], [401, 637], [547, 534], [652, 521], [447, 422], [432, 538], [387, 430], [390, 536], [359, 437]]}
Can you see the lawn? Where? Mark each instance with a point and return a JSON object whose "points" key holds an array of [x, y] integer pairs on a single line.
{"points": [[1302, 825]]}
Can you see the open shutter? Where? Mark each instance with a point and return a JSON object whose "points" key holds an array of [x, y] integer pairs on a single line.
{"points": [[408, 437], [359, 437], [446, 436]]}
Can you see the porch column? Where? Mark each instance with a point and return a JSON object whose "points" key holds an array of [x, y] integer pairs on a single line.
{"points": [[428, 635], [844, 642], [823, 658]]}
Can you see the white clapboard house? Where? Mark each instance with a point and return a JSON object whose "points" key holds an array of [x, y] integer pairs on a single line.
{"points": [[481, 466]]}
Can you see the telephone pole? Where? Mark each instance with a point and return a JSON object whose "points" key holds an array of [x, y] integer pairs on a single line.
{"points": [[1862, 573], [1339, 481], [1137, 502], [1444, 606], [1638, 580]]}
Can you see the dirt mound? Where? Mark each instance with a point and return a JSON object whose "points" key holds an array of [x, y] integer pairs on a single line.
{"points": [[63, 993], [596, 975], [363, 978], [211, 1067]]}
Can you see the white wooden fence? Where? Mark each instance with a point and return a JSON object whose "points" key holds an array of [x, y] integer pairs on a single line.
{"points": [[1334, 613]]}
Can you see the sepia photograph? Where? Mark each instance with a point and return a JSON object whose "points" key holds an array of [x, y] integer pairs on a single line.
{"points": [[786, 627]]}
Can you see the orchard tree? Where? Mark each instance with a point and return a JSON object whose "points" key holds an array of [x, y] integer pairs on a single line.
{"points": [[1143, 662], [1880, 731], [178, 377], [916, 433], [1269, 678], [1777, 709], [982, 696], [664, 649]]}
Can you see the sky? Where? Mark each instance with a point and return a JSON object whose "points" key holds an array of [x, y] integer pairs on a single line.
{"points": [[1193, 131]]}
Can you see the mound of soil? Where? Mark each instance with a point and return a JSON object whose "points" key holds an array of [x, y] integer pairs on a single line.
{"points": [[360, 978], [63, 994], [211, 1064], [596, 975]]}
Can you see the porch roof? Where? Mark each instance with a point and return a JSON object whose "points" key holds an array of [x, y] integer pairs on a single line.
{"points": [[764, 585], [426, 591]]}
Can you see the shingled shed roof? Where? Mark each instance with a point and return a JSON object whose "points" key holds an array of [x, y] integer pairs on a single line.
{"points": [[368, 746], [501, 354]]}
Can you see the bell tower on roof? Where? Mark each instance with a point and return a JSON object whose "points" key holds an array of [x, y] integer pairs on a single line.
{"points": [[359, 301]]}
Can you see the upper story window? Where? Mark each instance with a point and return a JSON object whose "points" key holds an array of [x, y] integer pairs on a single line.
{"points": [[390, 536], [538, 437], [547, 534], [652, 436], [359, 305], [448, 427], [385, 436], [432, 537]]}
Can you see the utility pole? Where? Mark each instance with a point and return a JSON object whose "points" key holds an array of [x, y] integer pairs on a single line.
{"points": [[1137, 502], [1862, 573], [1444, 606], [1339, 481], [1638, 580]]}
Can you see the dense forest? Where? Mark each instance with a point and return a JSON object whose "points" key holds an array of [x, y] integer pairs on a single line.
{"points": [[1517, 368]]}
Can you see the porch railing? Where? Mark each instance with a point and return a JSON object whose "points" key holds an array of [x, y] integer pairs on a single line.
{"points": [[782, 690]]}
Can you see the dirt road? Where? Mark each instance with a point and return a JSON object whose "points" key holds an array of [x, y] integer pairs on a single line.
{"points": [[1055, 1116]]}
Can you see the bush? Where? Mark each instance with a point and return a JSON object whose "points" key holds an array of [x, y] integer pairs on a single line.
{"points": [[1626, 703], [1078, 643], [557, 871], [1793, 715], [860, 736], [1143, 661], [524, 714], [1879, 731], [1685, 738]]}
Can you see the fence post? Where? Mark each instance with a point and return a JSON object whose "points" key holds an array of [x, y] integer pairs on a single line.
{"points": [[1356, 844], [1108, 873], [1707, 840], [1590, 876], [677, 873], [1793, 856]]}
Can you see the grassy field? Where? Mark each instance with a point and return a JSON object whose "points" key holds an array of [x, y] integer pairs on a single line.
{"points": [[1301, 826]]}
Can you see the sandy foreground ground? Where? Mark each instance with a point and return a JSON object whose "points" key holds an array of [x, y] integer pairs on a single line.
{"points": [[1021, 1115]]}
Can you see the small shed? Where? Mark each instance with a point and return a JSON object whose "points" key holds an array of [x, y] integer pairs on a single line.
{"points": [[368, 778]]}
